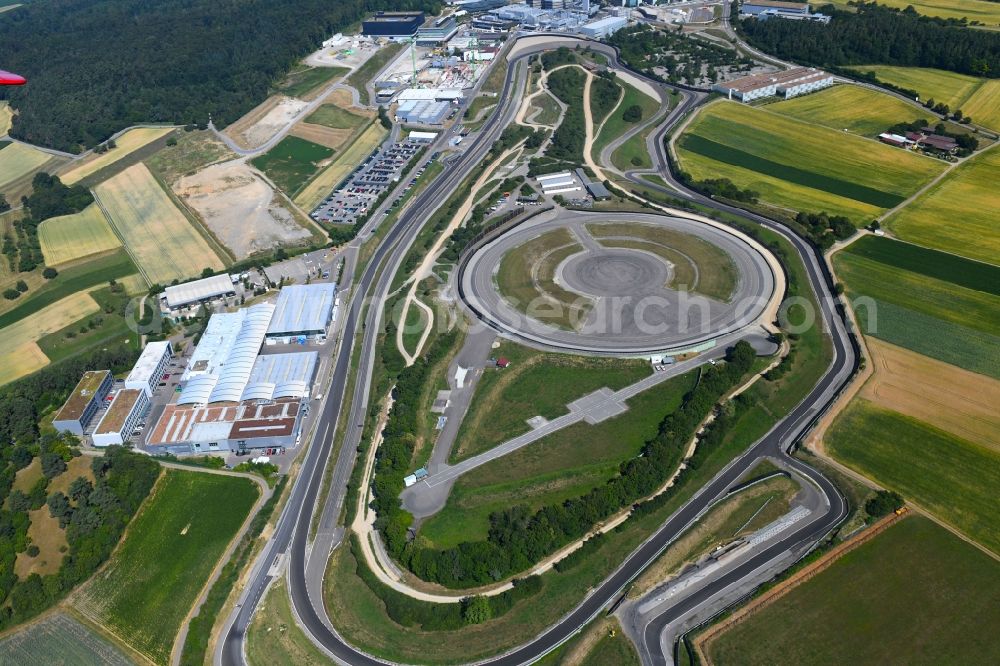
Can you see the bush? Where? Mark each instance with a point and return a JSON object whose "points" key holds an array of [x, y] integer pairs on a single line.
{"points": [[11, 294], [884, 503], [49, 273], [632, 114]]}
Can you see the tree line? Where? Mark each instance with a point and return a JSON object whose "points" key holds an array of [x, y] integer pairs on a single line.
{"points": [[878, 34], [98, 66], [518, 537]]}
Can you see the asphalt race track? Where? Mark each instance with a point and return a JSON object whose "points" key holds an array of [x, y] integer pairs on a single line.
{"points": [[306, 561], [631, 312]]}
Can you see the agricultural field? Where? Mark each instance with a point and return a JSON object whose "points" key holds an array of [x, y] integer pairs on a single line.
{"points": [[72, 237], [332, 125], [951, 477], [60, 639], [534, 384], [18, 164], [914, 594], [960, 402], [526, 280], [127, 143], [292, 163], [171, 547], [20, 354], [976, 97], [565, 464], [6, 115], [698, 265], [957, 214], [304, 80], [850, 108], [327, 179], [984, 11], [96, 329], [162, 240], [790, 163]]}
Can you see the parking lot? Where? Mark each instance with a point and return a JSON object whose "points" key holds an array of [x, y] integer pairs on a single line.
{"points": [[359, 192]]}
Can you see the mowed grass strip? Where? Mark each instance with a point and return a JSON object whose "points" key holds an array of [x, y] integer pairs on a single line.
{"points": [[949, 476], [560, 466], [71, 237], [932, 263], [699, 266], [526, 280], [915, 594], [171, 547], [810, 158], [127, 143], [976, 97], [292, 162], [327, 179], [534, 384], [331, 115], [858, 110], [959, 213], [157, 234]]}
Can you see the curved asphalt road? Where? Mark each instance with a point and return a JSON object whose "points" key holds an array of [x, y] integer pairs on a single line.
{"points": [[293, 526]]}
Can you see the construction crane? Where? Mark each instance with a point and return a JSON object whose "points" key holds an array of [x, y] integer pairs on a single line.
{"points": [[474, 46]]}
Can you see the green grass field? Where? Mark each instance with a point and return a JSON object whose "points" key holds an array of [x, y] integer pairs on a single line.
{"points": [[536, 383], [846, 107], [915, 594], [953, 478], [549, 110], [616, 125], [60, 639], [791, 164], [984, 11], [71, 237], [171, 547], [275, 638], [976, 97], [92, 331], [958, 214], [331, 115], [292, 163], [617, 649], [932, 263], [562, 465], [303, 80], [526, 279]]}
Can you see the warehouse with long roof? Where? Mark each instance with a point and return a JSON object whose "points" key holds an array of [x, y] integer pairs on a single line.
{"points": [[303, 311]]}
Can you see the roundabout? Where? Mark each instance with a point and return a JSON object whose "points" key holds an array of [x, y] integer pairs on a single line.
{"points": [[619, 283]]}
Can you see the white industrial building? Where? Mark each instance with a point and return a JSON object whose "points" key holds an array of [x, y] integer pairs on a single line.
{"points": [[198, 291], [278, 376], [221, 363], [430, 95], [559, 183], [84, 402], [122, 417], [149, 368], [604, 27], [423, 137], [787, 84], [303, 311]]}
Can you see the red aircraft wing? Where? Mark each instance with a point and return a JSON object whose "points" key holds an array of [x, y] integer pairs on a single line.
{"points": [[8, 79]]}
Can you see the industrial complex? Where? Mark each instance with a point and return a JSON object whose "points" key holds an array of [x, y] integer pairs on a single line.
{"points": [[787, 84]]}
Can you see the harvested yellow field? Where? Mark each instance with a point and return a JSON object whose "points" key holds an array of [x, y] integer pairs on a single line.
{"points": [[161, 240], [128, 143], [70, 237], [134, 284], [959, 213], [18, 160], [6, 115], [329, 177], [20, 355], [984, 11], [956, 400]]}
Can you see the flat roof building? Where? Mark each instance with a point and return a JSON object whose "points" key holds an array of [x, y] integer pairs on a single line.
{"points": [[280, 376], [251, 425], [303, 311], [436, 31], [146, 372], [198, 291], [787, 84], [83, 402], [755, 7], [122, 417], [393, 25], [604, 27]]}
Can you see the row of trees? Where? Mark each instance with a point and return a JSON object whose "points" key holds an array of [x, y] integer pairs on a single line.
{"points": [[518, 537], [49, 198], [875, 33], [98, 66]]}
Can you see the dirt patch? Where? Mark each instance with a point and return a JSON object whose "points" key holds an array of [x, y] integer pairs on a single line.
{"points": [[77, 467], [240, 208], [956, 400], [45, 533], [324, 136], [342, 97], [265, 120]]}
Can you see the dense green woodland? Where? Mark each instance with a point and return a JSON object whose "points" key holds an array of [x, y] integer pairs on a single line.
{"points": [[879, 35], [97, 66]]}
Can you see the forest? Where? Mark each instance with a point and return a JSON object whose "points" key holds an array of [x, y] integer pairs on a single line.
{"points": [[95, 67], [878, 34]]}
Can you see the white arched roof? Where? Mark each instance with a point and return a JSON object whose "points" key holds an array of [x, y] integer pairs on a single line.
{"points": [[277, 376]]}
